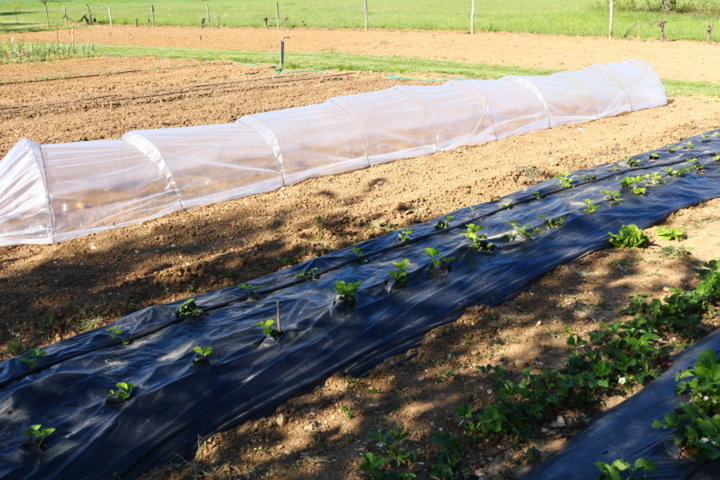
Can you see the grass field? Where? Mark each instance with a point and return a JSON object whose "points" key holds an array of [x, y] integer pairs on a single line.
{"points": [[567, 17]]}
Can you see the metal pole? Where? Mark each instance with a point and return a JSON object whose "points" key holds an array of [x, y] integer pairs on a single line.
{"points": [[611, 27], [277, 15], [282, 53], [472, 17]]}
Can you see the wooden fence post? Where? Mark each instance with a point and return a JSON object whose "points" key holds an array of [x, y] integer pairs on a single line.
{"points": [[472, 18], [109, 16], [65, 17], [47, 14], [611, 27], [152, 13], [277, 15], [207, 13], [366, 15]]}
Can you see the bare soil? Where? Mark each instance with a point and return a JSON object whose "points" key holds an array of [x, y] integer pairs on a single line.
{"points": [[51, 292], [677, 60]]}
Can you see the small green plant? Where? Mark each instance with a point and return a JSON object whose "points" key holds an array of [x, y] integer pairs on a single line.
{"points": [[405, 235], [525, 231], [622, 470], [697, 421], [537, 195], [202, 354], [672, 148], [436, 259], [268, 328], [123, 392], [653, 178], [653, 156], [613, 197], [590, 205], [507, 205], [689, 145], [588, 178], [614, 168], [479, 241], [310, 274], [117, 334], [393, 456], [361, 256], [717, 157], [189, 309], [634, 184], [556, 222], [565, 180], [629, 236], [696, 165], [444, 223], [400, 275], [37, 434], [673, 172], [348, 411], [669, 233], [347, 291], [635, 162], [30, 358]]}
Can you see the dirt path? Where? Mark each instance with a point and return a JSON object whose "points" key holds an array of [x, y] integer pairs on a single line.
{"points": [[678, 60]]}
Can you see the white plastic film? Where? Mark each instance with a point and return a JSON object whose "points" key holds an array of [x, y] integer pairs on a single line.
{"points": [[55, 192]]}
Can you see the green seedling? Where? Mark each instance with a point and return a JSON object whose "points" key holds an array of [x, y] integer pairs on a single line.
{"points": [[189, 309], [717, 157], [590, 205], [689, 145], [635, 162], [653, 156], [622, 470], [697, 166], [564, 179], [588, 178], [478, 240], [248, 288], [556, 222], [123, 392], [202, 353], [400, 275], [629, 236], [444, 223], [525, 231], [347, 291], [311, 274], [676, 172], [30, 358], [436, 259], [268, 328], [612, 197], [361, 256], [672, 148], [506, 205], [653, 178], [705, 138], [537, 195], [614, 168], [37, 434], [404, 235], [669, 233], [117, 334]]}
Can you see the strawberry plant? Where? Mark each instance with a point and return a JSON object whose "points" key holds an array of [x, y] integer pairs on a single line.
{"points": [[614, 168], [697, 421], [393, 456], [444, 223], [400, 275], [672, 148], [448, 462], [622, 470], [564, 179], [635, 162], [673, 172], [189, 309], [30, 358], [347, 291], [590, 205], [311, 274], [588, 178], [37, 434], [479, 241], [653, 156], [556, 222], [268, 328], [361, 256], [525, 231], [539, 196], [404, 235], [612, 197], [689, 145], [507, 205], [634, 184], [653, 178], [202, 354], [695, 165], [436, 259], [117, 334], [629, 236], [669, 233], [122, 394]]}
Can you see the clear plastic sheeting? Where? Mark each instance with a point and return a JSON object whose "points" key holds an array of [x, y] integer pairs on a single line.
{"points": [[50, 193]]}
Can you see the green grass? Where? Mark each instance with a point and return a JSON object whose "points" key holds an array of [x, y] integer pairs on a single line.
{"points": [[569, 17], [20, 52]]}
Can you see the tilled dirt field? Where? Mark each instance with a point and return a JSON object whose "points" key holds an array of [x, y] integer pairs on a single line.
{"points": [[52, 292], [679, 60]]}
